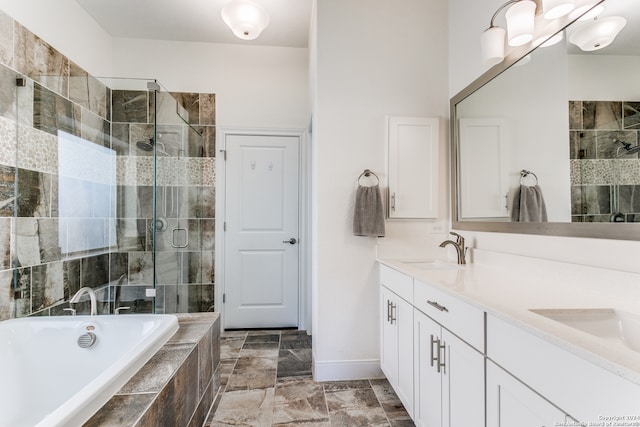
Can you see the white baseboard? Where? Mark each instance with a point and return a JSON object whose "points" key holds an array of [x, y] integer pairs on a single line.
{"points": [[343, 370]]}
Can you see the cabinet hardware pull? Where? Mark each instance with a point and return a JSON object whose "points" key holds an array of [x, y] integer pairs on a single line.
{"points": [[388, 311], [393, 312], [436, 341], [442, 363], [438, 306]]}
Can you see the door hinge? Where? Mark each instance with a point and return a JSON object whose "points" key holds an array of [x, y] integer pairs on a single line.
{"points": [[224, 155], [224, 298]]}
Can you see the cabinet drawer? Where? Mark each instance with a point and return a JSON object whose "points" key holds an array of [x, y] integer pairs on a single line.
{"points": [[464, 320], [397, 282]]}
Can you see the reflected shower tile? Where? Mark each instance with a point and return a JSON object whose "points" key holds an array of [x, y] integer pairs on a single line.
{"points": [[604, 172], [170, 140], [71, 277], [631, 115], [5, 243], [169, 268], [629, 198], [586, 144], [34, 193], [208, 269], [627, 171], [120, 138], [27, 242], [47, 285], [609, 149], [575, 115], [576, 200], [167, 109], [602, 115], [208, 171], [6, 291], [22, 284], [131, 234], [208, 234], [129, 106], [6, 39], [118, 267], [38, 150], [38, 60], [49, 239], [191, 103], [140, 136], [7, 93], [95, 271], [194, 139], [596, 199], [207, 108]]}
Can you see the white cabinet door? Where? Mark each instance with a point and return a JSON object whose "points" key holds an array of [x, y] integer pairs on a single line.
{"points": [[396, 351], [389, 337], [428, 380], [463, 383], [511, 403], [413, 146]]}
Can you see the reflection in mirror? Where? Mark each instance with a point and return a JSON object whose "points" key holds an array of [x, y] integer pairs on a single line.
{"points": [[567, 115]]}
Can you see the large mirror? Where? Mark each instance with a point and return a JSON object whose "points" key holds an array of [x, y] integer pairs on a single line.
{"points": [[548, 142]]}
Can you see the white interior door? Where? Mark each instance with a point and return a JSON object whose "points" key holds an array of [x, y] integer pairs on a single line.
{"points": [[261, 237]]}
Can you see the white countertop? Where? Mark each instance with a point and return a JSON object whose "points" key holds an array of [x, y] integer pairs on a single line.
{"points": [[508, 286]]}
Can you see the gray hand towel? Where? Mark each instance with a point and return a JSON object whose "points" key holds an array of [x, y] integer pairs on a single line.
{"points": [[368, 216], [528, 205]]}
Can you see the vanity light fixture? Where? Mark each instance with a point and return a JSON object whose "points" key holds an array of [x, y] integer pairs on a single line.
{"points": [[598, 34], [553, 9], [245, 18], [520, 18]]}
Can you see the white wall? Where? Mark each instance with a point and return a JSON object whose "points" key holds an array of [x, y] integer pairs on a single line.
{"points": [[68, 28], [374, 58], [255, 86], [468, 19], [586, 81]]}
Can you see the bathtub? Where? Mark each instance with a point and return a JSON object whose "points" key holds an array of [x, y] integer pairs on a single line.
{"points": [[47, 379]]}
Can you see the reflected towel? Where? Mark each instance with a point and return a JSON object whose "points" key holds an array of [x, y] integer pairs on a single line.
{"points": [[368, 216], [528, 205]]}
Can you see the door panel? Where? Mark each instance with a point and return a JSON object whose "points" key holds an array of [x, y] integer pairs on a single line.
{"points": [[261, 216]]}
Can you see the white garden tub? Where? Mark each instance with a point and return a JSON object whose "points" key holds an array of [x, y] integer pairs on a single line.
{"points": [[47, 379]]}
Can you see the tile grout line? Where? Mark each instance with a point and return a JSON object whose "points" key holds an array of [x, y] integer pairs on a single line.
{"points": [[379, 402]]}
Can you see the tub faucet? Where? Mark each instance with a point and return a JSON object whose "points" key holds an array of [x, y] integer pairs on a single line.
{"points": [[86, 290], [459, 245]]}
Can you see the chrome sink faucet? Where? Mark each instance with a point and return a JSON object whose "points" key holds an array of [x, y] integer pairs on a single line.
{"points": [[459, 245], [92, 296]]}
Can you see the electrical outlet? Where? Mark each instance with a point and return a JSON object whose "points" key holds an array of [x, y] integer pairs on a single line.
{"points": [[436, 227]]}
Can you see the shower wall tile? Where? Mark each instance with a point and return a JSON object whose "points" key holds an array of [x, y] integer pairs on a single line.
{"points": [[48, 236], [27, 242], [575, 115], [629, 198], [170, 140], [34, 194], [202, 141], [38, 60], [208, 171], [87, 91], [47, 285], [608, 149], [582, 144], [631, 115], [120, 138], [6, 225], [38, 150], [118, 266], [22, 284], [167, 110], [627, 171], [8, 146], [207, 109], [193, 263], [71, 277], [6, 39], [8, 88], [7, 191], [6, 292], [130, 106], [131, 234], [207, 227], [141, 268], [208, 201], [52, 112], [201, 298], [95, 129], [208, 270], [140, 133], [94, 271]]}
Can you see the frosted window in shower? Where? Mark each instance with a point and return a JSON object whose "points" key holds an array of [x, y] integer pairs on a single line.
{"points": [[86, 195]]}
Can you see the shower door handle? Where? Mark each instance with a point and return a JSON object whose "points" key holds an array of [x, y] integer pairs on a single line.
{"points": [[174, 232], [291, 241]]}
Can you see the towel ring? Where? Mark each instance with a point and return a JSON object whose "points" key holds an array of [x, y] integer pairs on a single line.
{"points": [[368, 173], [524, 173]]}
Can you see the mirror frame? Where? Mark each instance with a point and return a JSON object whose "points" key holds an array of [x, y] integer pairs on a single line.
{"points": [[598, 230]]}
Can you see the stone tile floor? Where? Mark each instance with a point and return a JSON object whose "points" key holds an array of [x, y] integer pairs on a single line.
{"points": [[266, 381]]}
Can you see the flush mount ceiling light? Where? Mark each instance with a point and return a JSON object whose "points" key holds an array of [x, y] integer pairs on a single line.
{"points": [[553, 9], [598, 34], [245, 18], [520, 24]]}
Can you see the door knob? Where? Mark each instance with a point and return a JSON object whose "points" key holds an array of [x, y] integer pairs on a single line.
{"points": [[291, 241]]}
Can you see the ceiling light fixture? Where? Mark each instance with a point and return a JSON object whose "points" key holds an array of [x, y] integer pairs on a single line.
{"points": [[587, 6], [245, 18], [553, 9], [598, 34]]}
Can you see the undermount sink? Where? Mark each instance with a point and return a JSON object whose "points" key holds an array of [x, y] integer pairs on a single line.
{"points": [[433, 264], [608, 323]]}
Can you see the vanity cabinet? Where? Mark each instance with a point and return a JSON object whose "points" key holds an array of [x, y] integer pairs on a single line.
{"points": [[512, 403], [412, 145], [396, 342]]}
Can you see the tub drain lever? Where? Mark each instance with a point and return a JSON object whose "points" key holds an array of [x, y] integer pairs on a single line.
{"points": [[87, 340]]}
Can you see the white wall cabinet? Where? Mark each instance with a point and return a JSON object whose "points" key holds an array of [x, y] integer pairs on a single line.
{"points": [[449, 383], [511, 403], [413, 156]]}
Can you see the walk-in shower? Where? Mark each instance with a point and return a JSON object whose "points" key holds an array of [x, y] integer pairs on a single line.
{"points": [[104, 183]]}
